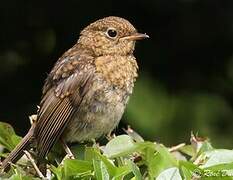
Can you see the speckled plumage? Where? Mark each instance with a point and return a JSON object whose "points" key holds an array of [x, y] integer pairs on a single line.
{"points": [[86, 92], [105, 101]]}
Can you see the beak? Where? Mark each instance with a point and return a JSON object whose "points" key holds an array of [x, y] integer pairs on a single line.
{"points": [[136, 36]]}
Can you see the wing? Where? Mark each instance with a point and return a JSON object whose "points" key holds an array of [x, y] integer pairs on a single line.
{"points": [[63, 92]]}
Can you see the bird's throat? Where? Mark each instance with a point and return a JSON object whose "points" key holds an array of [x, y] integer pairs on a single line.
{"points": [[121, 71]]}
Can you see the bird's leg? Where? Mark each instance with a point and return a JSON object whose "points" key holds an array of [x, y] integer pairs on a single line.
{"points": [[40, 174], [110, 136], [67, 149], [95, 144]]}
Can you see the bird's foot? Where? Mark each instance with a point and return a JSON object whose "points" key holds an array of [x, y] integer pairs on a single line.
{"points": [[69, 153], [110, 136]]}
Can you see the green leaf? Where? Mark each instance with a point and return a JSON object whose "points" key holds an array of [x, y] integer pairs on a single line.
{"points": [[119, 146], [220, 167], [101, 172], [188, 165], [170, 174], [159, 161], [121, 171], [78, 151], [73, 167], [188, 169], [20, 175], [57, 171], [188, 149], [218, 156], [126, 158], [92, 153], [124, 145], [114, 172], [8, 138], [163, 151], [205, 146], [186, 174], [135, 170]]}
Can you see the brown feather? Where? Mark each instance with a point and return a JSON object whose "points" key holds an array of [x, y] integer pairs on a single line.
{"points": [[61, 99], [54, 128]]}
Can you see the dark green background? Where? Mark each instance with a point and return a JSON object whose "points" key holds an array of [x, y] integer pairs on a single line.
{"points": [[186, 67]]}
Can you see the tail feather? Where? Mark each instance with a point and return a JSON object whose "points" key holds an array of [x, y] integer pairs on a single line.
{"points": [[18, 152]]}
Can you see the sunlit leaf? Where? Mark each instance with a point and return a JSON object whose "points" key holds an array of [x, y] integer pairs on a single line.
{"points": [[170, 174], [218, 156], [119, 146]]}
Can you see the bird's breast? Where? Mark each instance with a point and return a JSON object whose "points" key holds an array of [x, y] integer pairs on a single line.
{"points": [[99, 113], [104, 104]]}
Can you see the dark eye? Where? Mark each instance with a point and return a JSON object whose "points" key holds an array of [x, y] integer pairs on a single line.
{"points": [[112, 33]]}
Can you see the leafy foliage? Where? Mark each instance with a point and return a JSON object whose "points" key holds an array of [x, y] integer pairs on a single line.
{"points": [[130, 157]]}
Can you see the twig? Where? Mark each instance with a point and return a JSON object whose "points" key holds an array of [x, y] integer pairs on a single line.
{"points": [[34, 164], [175, 148]]}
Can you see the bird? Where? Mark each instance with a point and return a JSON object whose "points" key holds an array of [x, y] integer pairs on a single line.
{"points": [[85, 94]]}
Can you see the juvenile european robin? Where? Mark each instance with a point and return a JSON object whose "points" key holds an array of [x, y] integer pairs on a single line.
{"points": [[86, 92]]}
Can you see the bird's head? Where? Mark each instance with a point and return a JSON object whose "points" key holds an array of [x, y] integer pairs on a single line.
{"points": [[110, 35]]}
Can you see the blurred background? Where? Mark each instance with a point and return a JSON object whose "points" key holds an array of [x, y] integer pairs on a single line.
{"points": [[186, 67]]}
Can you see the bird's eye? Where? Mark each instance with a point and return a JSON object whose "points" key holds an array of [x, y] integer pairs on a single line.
{"points": [[112, 33]]}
